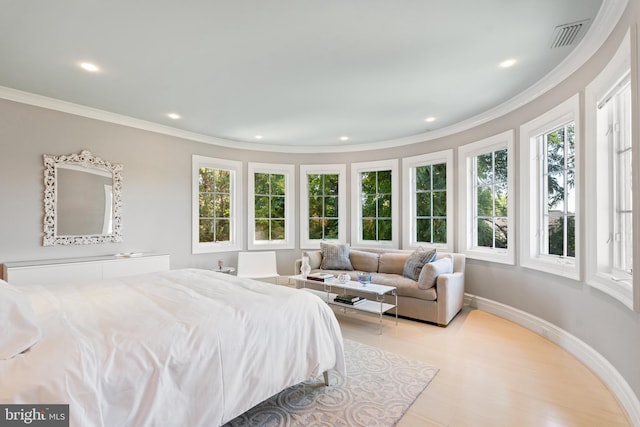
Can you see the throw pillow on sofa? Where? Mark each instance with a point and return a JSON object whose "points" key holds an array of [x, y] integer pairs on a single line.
{"points": [[315, 258], [432, 270], [413, 265], [335, 256]]}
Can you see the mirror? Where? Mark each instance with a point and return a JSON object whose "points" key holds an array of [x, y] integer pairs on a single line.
{"points": [[82, 200]]}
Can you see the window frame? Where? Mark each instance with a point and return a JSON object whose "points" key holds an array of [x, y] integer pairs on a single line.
{"points": [[235, 228], [531, 191], [288, 171], [600, 270], [466, 199], [356, 205], [546, 214], [325, 169], [409, 166]]}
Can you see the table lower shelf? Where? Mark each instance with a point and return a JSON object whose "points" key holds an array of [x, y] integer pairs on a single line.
{"points": [[368, 306]]}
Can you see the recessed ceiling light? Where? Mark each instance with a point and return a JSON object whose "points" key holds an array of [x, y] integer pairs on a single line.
{"points": [[430, 119], [258, 136], [88, 66], [174, 116], [508, 63], [344, 138]]}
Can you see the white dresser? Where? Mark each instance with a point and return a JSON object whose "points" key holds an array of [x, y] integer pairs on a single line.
{"points": [[74, 270]]}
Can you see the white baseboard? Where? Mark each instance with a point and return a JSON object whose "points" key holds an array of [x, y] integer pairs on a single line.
{"points": [[583, 352]]}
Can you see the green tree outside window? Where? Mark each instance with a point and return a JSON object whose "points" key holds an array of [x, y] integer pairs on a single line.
{"points": [[431, 203], [214, 188], [491, 199], [375, 193], [323, 206], [269, 204], [559, 190]]}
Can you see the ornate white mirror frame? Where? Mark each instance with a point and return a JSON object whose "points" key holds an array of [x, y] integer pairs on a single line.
{"points": [[112, 206]]}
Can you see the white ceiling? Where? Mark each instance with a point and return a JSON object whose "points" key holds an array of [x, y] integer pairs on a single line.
{"points": [[300, 73]]}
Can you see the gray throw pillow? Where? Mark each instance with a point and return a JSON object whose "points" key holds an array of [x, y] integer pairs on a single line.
{"points": [[335, 256], [414, 263]]}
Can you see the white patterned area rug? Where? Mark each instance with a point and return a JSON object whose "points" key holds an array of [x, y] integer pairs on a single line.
{"points": [[379, 388]]}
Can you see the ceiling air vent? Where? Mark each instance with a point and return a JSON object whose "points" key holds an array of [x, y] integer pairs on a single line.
{"points": [[568, 34]]}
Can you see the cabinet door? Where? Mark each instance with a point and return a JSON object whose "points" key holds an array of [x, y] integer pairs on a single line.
{"points": [[131, 266], [53, 274]]}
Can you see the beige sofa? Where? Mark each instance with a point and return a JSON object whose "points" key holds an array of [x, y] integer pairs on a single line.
{"points": [[438, 304]]}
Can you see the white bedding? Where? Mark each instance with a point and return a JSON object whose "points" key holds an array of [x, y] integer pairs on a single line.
{"points": [[177, 348]]}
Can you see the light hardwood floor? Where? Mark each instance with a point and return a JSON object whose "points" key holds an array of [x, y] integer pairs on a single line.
{"points": [[492, 373]]}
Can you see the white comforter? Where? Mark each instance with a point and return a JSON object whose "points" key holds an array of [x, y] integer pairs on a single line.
{"points": [[178, 348]]}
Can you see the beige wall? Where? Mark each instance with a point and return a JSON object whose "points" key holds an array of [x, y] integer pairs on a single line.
{"points": [[157, 206]]}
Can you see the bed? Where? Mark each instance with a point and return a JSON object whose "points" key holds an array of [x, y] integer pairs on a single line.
{"points": [[176, 348]]}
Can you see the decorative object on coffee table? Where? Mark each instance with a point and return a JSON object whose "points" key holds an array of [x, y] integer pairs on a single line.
{"points": [[364, 278], [343, 278], [305, 268]]}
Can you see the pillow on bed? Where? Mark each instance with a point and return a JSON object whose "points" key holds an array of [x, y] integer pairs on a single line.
{"points": [[19, 328], [335, 256]]}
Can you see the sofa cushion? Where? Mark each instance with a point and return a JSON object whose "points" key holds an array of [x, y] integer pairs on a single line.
{"points": [[315, 258], [405, 286], [392, 262], [432, 270], [414, 263], [364, 261], [335, 256]]}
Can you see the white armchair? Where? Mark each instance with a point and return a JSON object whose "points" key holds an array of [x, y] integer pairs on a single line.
{"points": [[258, 265]]}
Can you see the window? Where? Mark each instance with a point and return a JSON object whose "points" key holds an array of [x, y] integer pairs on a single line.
{"points": [[557, 158], [216, 209], [491, 225], [619, 115], [322, 204], [609, 155], [375, 209], [485, 199], [269, 200], [549, 187], [375, 204], [270, 206], [428, 188]]}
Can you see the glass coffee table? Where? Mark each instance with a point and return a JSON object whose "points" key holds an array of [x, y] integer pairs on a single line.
{"points": [[373, 294]]}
